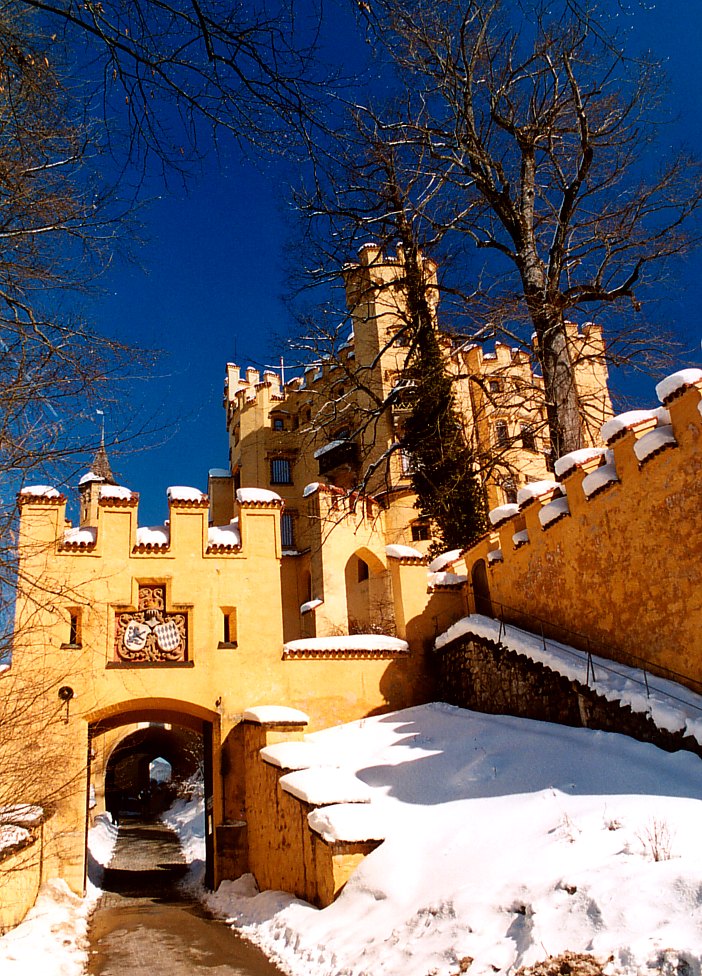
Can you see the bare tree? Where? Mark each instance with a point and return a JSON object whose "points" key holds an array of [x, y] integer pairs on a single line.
{"points": [[539, 138]]}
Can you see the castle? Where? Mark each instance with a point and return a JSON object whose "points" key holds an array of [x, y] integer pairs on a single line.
{"points": [[281, 599]]}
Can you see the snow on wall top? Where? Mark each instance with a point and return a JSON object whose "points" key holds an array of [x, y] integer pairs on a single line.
{"points": [[575, 459], [348, 823], [153, 535], [502, 513], [327, 447], [310, 489], [349, 642], [116, 491], [275, 715], [84, 536], [182, 493], [22, 814], [446, 579], [324, 785], [671, 706], [536, 489], [225, 535], [310, 605], [632, 420], [654, 441], [403, 552], [678, 381], [554, 510], [41, 491], [295, 755], [249, 496], [219, 473], [444, 560], [599, 478], [12, 836]]}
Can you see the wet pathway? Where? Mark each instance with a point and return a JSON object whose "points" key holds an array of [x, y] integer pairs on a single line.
{"points": [[144, 926]]}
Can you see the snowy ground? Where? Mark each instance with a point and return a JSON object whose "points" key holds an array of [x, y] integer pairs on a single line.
{"points": [[52, 940], [507, 841]]}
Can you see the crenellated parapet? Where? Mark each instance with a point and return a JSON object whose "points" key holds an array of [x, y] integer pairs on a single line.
{"points": [[609, 549], [113, 532]]}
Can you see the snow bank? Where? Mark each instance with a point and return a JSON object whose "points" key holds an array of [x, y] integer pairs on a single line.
{"points": [[505, 841]]}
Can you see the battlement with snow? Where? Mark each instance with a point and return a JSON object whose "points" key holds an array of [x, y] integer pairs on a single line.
{"points": [[109, 525], [611, 549]]}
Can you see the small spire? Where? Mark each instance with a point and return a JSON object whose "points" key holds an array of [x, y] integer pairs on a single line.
{"points": [[101, 466]]}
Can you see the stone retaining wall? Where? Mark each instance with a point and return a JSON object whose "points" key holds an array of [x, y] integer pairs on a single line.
{"points": [[487, 677]]}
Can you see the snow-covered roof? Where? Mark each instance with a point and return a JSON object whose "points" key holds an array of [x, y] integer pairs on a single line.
{"points": [[553, 511], [676, 382], [296, 755], [575, 459], [670, 705], [444, 560], [256, 496], [322, 785], [327, 447], [348, 823], [403, 552], [654, 441], [153, 535], [503, 512], [346, 643], [89, 477], [275, 715], [536, 489], [40, 491], [183, 493]]}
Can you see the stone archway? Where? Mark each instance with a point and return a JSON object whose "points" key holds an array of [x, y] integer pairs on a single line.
{"points": [[152, 727], [368, 594]]}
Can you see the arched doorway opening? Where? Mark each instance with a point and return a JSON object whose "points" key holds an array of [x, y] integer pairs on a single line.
{"points": [[481, 588], [368, 595], [131, 741]]}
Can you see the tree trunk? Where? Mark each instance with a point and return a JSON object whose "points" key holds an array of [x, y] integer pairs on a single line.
{"points": [[562, 404]]}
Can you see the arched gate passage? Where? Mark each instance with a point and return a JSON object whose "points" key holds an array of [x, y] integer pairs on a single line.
{"points": [[158, 715]]}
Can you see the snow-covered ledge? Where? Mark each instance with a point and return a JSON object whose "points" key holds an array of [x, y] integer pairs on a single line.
{"points": [[346, 646], [275, 715]]}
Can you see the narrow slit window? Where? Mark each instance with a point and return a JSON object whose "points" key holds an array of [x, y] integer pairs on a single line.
{"points": [[229, 633]]}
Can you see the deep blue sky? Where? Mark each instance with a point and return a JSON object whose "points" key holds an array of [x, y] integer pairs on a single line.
{"points": [[213, 283]]}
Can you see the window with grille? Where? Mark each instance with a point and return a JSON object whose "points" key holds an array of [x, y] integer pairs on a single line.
{"points": [[510, 490], [421, 531], [281, 471], [528, 437], [502, 433], [278, 423], [287, 531]]}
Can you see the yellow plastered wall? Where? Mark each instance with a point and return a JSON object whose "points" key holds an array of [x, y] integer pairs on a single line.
{"points": [[621, 574]]}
